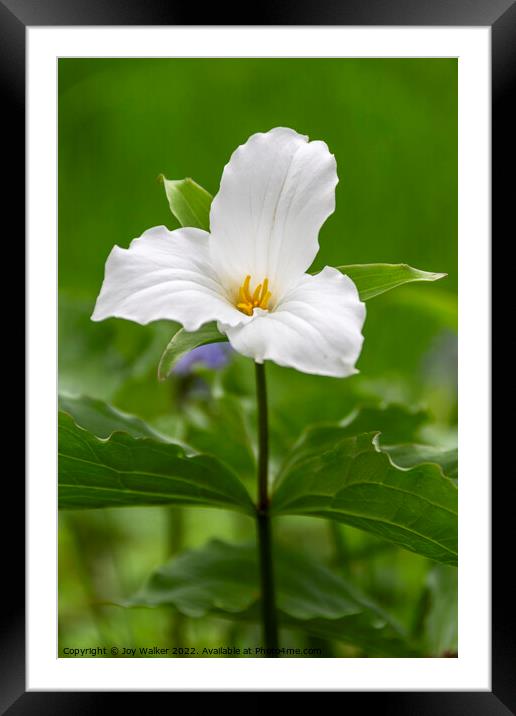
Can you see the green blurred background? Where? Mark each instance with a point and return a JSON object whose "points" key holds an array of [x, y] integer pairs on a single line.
{"points": [[392, 125]]}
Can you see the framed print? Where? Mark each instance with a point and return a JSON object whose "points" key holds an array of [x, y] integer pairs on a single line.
{"points": [[259, 326]]}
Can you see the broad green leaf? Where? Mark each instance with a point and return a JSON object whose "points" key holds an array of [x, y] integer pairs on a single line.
{"points": [[102, 419], [218, 576], [374, 279], [189, 202], [208, 425], [441, 621], [223, 579], [225, 576], [375, 637], [410, 455], [126, 471], [295, 410], [183, 342], [396, 423], [349, 479]]}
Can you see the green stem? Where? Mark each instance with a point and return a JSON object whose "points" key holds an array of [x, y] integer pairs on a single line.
{"points": [[269, 616]]}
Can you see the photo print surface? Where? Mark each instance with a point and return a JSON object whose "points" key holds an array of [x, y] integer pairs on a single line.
{"points": [[257, 358]]}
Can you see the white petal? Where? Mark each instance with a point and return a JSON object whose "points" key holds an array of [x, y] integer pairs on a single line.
{"points": [[315, 329], [276, 192], [165, 275]]}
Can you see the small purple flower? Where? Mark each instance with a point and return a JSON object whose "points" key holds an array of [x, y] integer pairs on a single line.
{"points": [[212, 355]]}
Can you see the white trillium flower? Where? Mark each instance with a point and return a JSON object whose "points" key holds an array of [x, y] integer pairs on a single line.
{"points": [[249, 272]]}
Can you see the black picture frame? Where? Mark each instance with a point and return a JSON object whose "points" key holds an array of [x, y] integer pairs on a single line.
{"points": [[15, 17]]}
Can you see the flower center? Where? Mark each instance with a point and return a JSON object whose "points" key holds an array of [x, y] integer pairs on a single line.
{"points": [[259, 298]]}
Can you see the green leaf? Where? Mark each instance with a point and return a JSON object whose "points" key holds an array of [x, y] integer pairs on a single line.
{"points": [[375, 638], [223, 579], [183, 342], [125, 471], [349, 479], [225, 576], [374, 279], [189, 202], [218, 576], [414, 454], [208, 424], [103, 419], [396, 423]]}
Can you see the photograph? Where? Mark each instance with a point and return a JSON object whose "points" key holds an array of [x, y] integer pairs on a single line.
{"points": [[259, 299], [257, 357]]}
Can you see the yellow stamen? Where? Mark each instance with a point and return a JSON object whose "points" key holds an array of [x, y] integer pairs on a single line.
{"points": [[245, 308], [265, 300], [245, 288], [256, 295], [265, 290], [259, 298]]}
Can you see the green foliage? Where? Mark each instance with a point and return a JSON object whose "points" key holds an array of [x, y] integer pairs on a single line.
{"points": [[335, 471], [223, 579], [123, 470], [410, 455], [183, 342], [209, 425], [396, 423], [348, 479], [102, 419], [188, 202], [374, 279]]}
